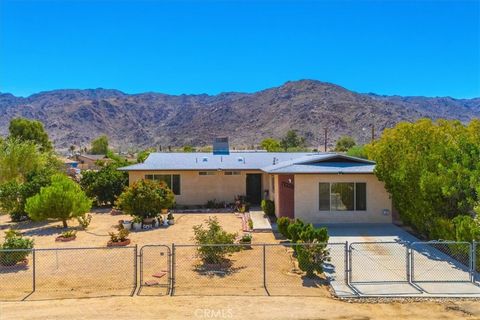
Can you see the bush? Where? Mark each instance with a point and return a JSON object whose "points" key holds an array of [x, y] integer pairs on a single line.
{"points": [[104, 185], [311, 257], [441, 229], [466, 229], [213, 234], [283, 223], [268, 206], [294, 230], [68, 234], [120, 236], [146, 199], [84, 221], [14, 240]]}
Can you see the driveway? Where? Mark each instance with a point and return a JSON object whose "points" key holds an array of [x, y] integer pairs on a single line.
{"points": [[381, 263]]}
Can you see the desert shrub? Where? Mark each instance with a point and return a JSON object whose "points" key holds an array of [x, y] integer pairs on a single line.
{"points": [[14, 240], [120, 236], [68, 234], [311, 257], [250, 223], [294, 230], [246, 238], [268, 207], [283, 223], [213, 233], [84, 221], [214, 204], [312, 234]]}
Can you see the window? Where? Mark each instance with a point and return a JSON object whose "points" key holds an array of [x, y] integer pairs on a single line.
{"points": [[206, 173], [342, 196], [172, 181], [232, 173]]}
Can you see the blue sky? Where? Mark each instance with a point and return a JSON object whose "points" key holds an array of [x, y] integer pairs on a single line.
{"points": [[409, 48]]}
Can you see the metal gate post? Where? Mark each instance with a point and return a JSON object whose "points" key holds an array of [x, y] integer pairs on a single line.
{"points": [[409, 264], [347, 264], [172, 271], [265, 269], [473, 259], [350, 266], [34, 275], [135, 279]]}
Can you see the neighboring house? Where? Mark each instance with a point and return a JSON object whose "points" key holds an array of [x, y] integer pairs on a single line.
{"points": [[89, 161], [316, 187]]}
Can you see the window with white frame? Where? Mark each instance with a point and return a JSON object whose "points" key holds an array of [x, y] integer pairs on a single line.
{"points": [[172, 181], [342, 196]]}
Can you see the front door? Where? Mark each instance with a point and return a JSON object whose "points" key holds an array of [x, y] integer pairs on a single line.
{"points": [[254, 188]]}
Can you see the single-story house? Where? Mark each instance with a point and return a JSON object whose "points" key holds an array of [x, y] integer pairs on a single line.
{"points": [[316, 187], [89, 161]]}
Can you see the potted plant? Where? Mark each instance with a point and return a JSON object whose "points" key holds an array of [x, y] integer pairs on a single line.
{"points": [[126, 224], [21, 246], [247, 240], [119, 239], [171, 219], [137, 223], [66, 236]]}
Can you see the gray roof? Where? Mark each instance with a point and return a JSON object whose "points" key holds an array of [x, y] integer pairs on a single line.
{"points": [[272, 162], [323, 163]]}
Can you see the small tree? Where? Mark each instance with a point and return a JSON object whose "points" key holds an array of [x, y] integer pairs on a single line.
{"points": [[100, 145], [63, 200], [344, 144], [105, 185], [213, 234], [143, 155], [357, 151], [271, 145], [292, 140], [30, 130], [146, 199]]}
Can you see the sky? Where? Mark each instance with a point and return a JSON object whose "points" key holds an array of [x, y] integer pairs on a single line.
{"points": [[428, 48]]}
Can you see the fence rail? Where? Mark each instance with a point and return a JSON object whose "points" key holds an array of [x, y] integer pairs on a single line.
{"points": [[364, 268]]}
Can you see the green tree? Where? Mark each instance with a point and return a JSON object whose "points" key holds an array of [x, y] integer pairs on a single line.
{"points": [[63, 199], [431, 170], [143, 155], [104, 185], [18, 158], [30, 130], [146, 198], [357, 151], [271, 145], [344, 144], [14, 194], [292, 141], [100, 145]]}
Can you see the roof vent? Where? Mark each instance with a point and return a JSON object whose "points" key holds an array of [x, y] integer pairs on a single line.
{"points": [[204, 159], [220, 146], [241, 159]]}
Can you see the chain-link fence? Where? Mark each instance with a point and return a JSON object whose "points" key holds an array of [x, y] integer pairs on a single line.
{"points": [[69, 273], [17, 269], [359, 268]]}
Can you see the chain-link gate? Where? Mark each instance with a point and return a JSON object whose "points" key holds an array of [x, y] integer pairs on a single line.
{"points": [[383, 262], [441, 261], [155, 270]]}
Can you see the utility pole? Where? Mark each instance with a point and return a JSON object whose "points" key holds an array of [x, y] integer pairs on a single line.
{"points": [[373, 132], [326, 138]]}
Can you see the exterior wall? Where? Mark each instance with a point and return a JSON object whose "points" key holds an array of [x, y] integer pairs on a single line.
{"points": [[197, 190], [307, 200]]}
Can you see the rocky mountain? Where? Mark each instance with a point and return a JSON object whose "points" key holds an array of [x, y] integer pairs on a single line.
{"points": [[153, 119]]}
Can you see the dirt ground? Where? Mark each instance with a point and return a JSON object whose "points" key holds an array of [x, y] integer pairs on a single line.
{"points": [[239, 295], [194, 307]]}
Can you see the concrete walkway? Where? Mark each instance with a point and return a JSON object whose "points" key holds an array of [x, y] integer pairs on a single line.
{"points": [[260, 223]]}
